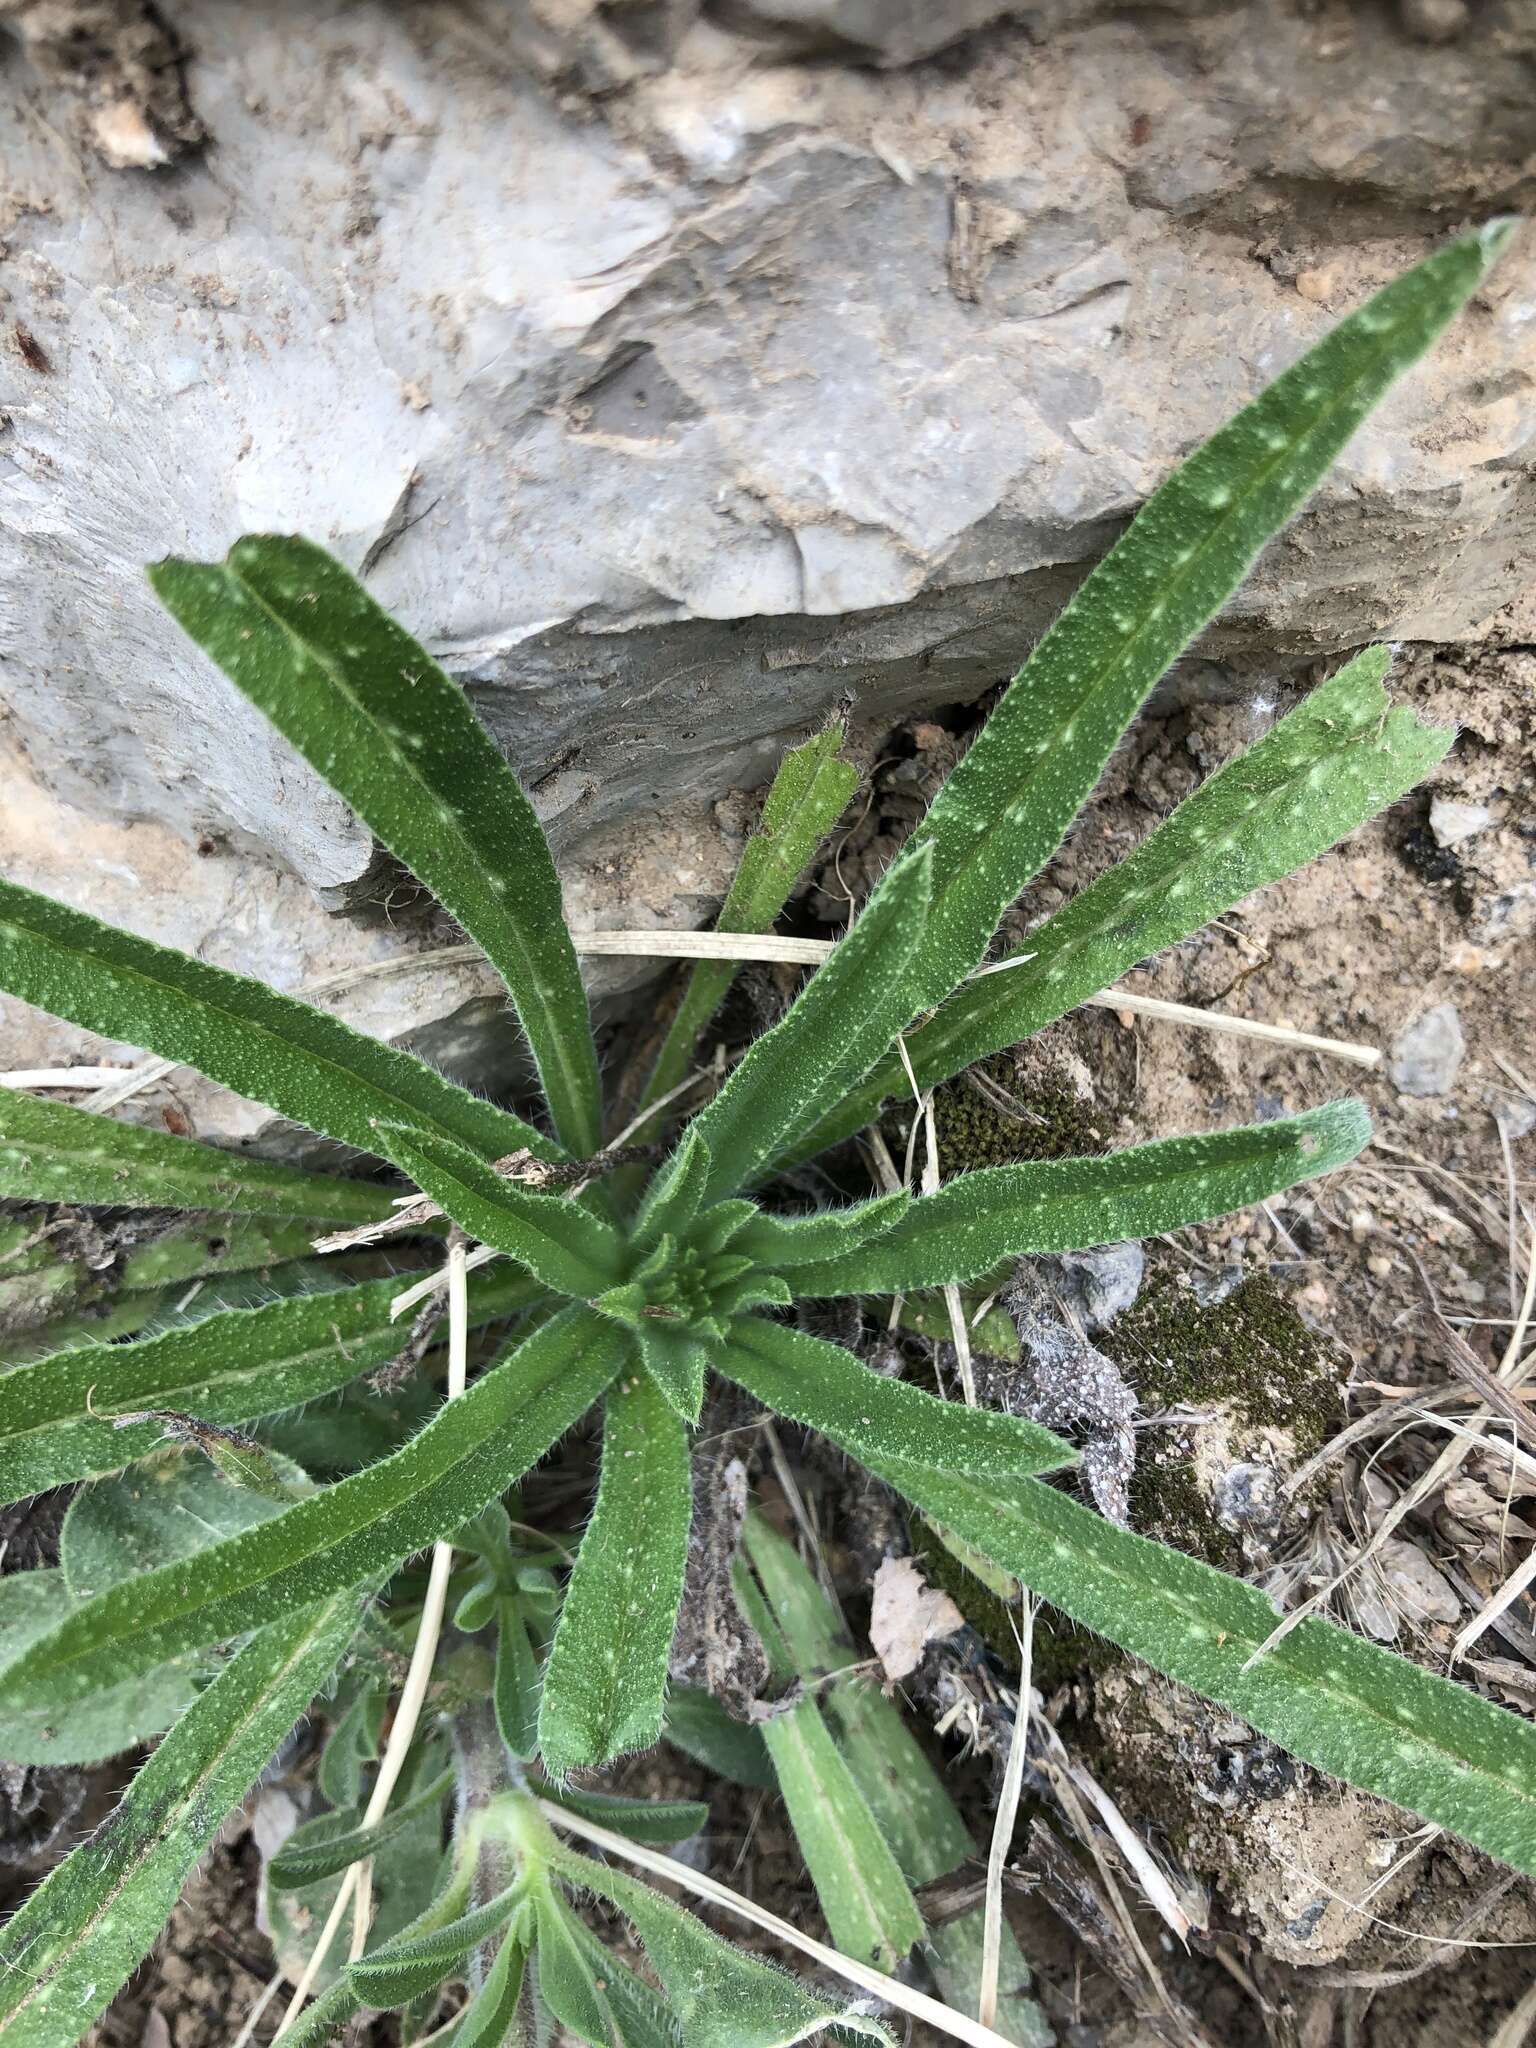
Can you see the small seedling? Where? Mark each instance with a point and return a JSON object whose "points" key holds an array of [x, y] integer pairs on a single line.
{"points": [[633, 1293]]}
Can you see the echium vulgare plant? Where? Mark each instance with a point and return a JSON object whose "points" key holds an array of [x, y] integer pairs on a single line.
{"points": [[631, 1294]]}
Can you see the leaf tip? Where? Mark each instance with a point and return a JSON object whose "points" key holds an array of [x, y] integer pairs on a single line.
{"points": [[1495, 236]]}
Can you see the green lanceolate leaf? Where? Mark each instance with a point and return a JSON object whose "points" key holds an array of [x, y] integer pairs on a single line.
{"points": [[353, 1740], [1340, 757], [472, 1451], [660, 1822], [807, 798], [412, 1963], [168, 1508], [1053, 1205], [374, 714], [590, 1991], [901, 1788], [723, 1998], [1004, 810], [516, 1681], [564, 1245], [785, 1242], [56, 1415], [490, 2019], [300, 1061], [606, 1677], [871, 1914], [50, 1152], [676, 1194], [299, 1863], [677, 1361], [697, 1724], [844, 1019], [243, 1245], [82, 1933], [114, 1716], [1330, 1697], [826, 1388], [195, 1249], [915, 1814]]}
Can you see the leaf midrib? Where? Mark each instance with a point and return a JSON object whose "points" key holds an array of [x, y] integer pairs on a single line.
{"points": [[243, 1026], [182, 1809], [1249, 1155], [1299, 1636], [46, 1153], [1244, 1635], [1180, 578], [549, 1032]]}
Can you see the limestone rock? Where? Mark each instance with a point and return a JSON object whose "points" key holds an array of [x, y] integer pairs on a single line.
{"points": [[673, 371], [1427, 1055], [383, 974], [1453, 822]]}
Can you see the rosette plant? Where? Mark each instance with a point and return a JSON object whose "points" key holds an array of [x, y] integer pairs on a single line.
{"points": [[628, 1293]]}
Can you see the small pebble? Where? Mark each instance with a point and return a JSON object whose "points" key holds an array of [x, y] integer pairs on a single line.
{"points": [[1451, 822], [1427, 1055]]}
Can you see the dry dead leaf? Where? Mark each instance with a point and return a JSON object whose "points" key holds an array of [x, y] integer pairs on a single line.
{"points": [[907, 1614]]}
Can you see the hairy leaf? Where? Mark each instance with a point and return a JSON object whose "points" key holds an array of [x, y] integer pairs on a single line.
{"points": [[372, 712], [354, 1739], [661, 1822], [870, 1912], [586, 1986], [230, 1368], [697, 1724], [785, 1242], [676, 1361], [300, 1061], [302, 1862], [606, 1677], [675, 1195], [826, 1388], [564, 1245], [490, 2019], [1332, 1698], [114, 1716], [1003, 811], [570, 1983], [200, 1248], [412, 1963], [980, 1219], [83, 1931], [843, 1020], [406, 1874], [1341, 756], [168, 1508], [723, 1997], [50, 1152], [807, 798], [516, 1682], [473, 1450]]}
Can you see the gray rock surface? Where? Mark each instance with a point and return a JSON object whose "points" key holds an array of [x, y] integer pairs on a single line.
{"points": [[383, 973], [1427, 1055], [673, 370]]}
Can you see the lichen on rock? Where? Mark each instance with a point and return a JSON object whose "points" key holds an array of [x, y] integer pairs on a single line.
{"points": [[1250, 1392]]}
